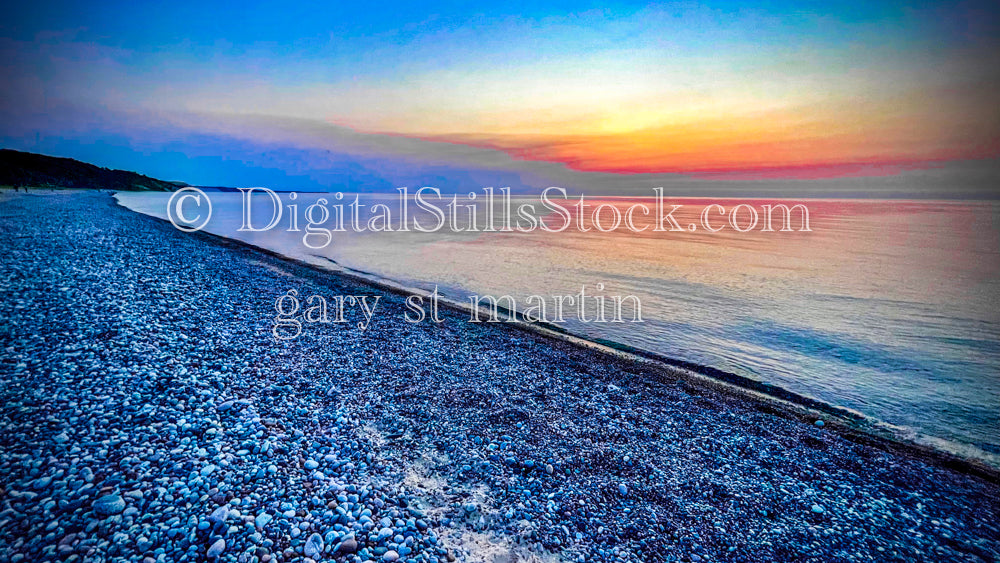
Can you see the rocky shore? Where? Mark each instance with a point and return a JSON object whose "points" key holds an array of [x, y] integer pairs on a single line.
{"points": [[149, 415]]}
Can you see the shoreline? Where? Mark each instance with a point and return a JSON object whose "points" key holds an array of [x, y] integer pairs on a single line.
{"points": [[145, 400], [979, 462]]}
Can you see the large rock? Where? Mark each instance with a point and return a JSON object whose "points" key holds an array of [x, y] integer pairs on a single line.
{"points": [[347, 547], [109, 505], [314, 546], [216, 548]]}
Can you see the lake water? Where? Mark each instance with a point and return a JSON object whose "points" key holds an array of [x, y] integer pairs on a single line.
{"points": [[889, 308]]}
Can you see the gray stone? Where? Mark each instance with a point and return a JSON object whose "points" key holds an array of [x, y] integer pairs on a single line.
{"points": [[347, 546]]}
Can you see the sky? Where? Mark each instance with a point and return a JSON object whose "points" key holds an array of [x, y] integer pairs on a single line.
{"points": [[844, 97]]}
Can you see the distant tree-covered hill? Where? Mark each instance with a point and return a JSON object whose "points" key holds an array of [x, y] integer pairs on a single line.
{"points": [[25, 169]]}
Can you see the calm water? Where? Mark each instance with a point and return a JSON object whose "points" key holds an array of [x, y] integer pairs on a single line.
{"points": [[889, 308]]}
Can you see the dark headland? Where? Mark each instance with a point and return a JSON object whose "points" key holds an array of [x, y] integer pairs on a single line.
{"points": [[149, 415], [30, 170]]}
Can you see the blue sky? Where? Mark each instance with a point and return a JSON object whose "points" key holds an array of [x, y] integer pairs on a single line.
{"points": [[537, 92]]}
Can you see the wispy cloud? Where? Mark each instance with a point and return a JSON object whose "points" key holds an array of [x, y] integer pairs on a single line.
{"points": [[710, 90]]}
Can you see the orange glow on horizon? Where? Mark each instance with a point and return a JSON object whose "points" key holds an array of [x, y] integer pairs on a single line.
{"points": [[781, 144]]}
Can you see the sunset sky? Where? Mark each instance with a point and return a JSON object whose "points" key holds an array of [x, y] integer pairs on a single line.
{"points": [[328, 95]]}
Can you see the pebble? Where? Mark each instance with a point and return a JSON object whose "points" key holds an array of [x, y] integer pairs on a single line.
{"points": [[219, 514], [109, 505], [216, 548], [262, 519], [314, 546], [127, 411], [347, 546]]}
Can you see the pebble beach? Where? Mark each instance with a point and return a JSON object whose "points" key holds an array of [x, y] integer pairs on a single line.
{"points": [[149, 415]]}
